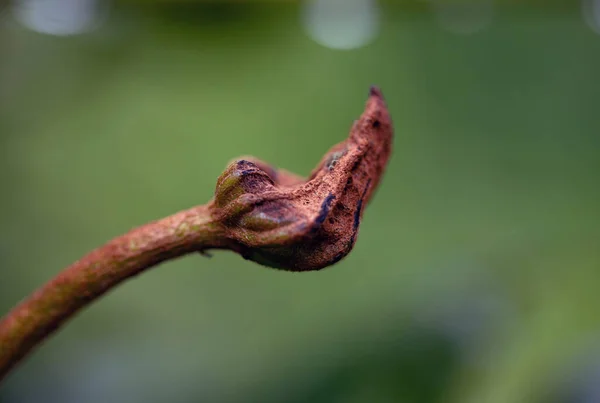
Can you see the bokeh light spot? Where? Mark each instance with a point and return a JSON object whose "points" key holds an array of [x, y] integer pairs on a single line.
{"points": [[591, 14], [59, 17], [342, 24]]}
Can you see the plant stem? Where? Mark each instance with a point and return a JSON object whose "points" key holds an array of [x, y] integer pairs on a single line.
{"points": [[267, 215], [30, 322]]}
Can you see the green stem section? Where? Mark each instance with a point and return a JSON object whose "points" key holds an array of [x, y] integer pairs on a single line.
{"points": [[34, 319]]}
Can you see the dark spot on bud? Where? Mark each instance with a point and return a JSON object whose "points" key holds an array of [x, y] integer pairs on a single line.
{"points": [[337, 258], [359, 207], [356, 165], [349, 182], [325, 206]]}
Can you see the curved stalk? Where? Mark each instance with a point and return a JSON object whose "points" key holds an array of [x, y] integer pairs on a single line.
{"points": [[267, 215], [30, 322]]}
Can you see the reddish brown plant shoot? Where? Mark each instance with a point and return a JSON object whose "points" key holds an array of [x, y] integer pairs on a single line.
{"points": [[267, 215]]}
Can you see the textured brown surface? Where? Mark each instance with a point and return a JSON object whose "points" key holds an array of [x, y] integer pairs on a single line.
{"points": [[268, 215], [99, 271], [277, 219]]}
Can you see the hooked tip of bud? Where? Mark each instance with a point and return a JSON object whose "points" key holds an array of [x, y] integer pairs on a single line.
{"points": [[374, 91], [375, 121]]}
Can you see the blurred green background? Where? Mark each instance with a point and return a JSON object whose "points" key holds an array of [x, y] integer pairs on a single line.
{"points": [[475, 276]]}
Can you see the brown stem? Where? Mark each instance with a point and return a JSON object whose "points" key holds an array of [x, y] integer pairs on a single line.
{"points": [[267, 215], [49, 307]]}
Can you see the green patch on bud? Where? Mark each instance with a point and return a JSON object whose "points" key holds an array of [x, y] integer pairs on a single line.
{"points": [[229, 187]]}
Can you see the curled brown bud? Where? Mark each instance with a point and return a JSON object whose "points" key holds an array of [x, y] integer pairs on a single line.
{"points": [[270, 216], [277, 219]]}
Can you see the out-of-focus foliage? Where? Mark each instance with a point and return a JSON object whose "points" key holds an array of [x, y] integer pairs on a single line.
{"points": [[475, 275]]}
